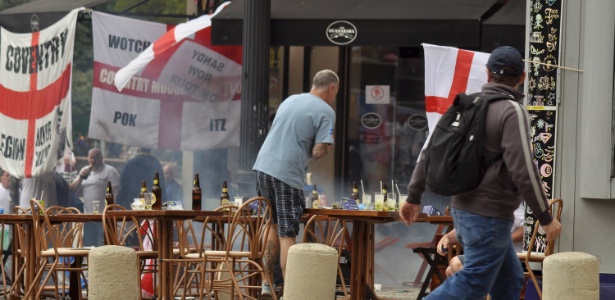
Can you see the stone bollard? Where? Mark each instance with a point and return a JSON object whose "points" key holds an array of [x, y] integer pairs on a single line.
{"points": [[112, 273], [571, 275], [311, 272]]}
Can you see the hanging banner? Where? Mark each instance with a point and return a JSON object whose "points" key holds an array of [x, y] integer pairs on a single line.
{"points": [[176, 94], [35, 91]]}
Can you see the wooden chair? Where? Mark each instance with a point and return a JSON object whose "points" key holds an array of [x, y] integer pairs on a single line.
{"points": [[122, 230], [331, 232], [5, 233], [191, 256], [239, 267], [20, 252], [529, 256], [54, 247]]}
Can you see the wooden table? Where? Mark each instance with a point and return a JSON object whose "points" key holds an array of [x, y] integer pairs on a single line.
{"points": [[30, 242], [164, 239], [362, 248]]}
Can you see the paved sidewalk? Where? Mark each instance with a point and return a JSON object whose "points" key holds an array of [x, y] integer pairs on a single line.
{"points": [[406, 292]]}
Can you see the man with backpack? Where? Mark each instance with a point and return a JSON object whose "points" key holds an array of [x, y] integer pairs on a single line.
{"points": [[504, 174]]}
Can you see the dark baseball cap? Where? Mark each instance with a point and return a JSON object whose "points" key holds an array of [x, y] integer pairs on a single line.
{"points": [[506, 56]]}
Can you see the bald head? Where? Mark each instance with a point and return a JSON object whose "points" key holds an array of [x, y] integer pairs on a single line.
{"points": [[325, 85], [169, 170], [95, 158]]}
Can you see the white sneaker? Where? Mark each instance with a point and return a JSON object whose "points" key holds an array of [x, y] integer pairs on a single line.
{"points": [[267, 292]]}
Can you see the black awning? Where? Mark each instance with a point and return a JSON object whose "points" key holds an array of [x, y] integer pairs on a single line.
{"points": [[43, 13], [506, 27], [405, 23]]}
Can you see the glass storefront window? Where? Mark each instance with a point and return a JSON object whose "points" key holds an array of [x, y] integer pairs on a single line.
{"points": [[385, 131]]}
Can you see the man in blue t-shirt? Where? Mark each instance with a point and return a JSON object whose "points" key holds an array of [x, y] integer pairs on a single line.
{"points": [[302, 130]]}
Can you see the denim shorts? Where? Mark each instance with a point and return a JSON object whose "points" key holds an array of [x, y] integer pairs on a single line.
{"points": [[287, 203]]}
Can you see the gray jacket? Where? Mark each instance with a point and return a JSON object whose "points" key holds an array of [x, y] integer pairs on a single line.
{"points": [[508, 181]]}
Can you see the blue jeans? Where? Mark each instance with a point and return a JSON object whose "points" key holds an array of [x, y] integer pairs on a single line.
{"points": [[491, 265]]}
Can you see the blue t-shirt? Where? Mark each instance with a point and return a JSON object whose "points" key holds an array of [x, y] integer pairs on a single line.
{"points": [[301, 122]]}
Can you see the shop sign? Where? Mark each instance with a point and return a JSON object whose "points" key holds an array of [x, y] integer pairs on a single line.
{"points": [[417, 122], [371, 120], [377, 94], [341, 32]]}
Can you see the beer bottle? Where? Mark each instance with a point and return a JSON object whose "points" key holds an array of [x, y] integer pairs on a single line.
{"points": [[384, 191], [109, 199], [314, 198], [355, 192], [225, 199], [387, 204], [143, 190], [196, 193], [157, 191]]}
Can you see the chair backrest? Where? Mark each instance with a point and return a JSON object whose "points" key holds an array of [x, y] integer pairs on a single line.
{"points": [[123, 230], [53, 235], [212, 234], [555, 208], [20, 233], [325, 230], [251, 224]]}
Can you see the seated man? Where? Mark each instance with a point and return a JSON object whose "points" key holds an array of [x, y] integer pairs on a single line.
{"points": [[456, 262]]}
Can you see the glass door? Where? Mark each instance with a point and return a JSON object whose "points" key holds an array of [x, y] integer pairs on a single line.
{"points": [[386, 115]]}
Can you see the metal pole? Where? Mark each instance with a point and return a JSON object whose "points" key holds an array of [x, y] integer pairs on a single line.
{"points": [[255, 89]]}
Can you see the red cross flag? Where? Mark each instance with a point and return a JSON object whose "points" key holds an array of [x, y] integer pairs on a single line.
{"points": [[35, 110], [176, 90], [448, 72]]}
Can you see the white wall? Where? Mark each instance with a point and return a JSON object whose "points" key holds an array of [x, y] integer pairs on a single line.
{"points": [[585, 121]]}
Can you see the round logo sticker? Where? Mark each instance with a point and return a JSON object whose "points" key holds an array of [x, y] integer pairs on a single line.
{"points": [[417, 122], [377, 93], [371, 120], [341, 32]]}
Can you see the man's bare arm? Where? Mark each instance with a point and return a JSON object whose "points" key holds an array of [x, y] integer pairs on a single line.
{"points": [[320, 150]]}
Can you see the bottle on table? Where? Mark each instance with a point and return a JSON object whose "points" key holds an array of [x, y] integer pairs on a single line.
{"points": [[355, 192], [196, 193], [109, 198], [225, 199], [389, 204], [157, 191], [314, 198], [143, 190]]}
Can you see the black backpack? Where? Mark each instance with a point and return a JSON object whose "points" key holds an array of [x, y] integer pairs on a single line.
{"points": [[455, 161]]}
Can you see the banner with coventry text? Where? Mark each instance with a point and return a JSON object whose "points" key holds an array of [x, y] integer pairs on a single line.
{"points": [[35, 97]]}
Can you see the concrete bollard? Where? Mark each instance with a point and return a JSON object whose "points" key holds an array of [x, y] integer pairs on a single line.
{"points": [[571, 275], [113, 273], [311, 272]]}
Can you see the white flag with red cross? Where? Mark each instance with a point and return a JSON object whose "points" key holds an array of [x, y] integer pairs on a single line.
{"points": [[178, 91], [35, 97], [448, 72]]}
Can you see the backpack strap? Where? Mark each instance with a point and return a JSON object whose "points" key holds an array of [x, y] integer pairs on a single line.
{"points": [[469, 100], [488, 99]]}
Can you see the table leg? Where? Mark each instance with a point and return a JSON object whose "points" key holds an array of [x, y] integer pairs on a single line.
{"points": [[31, 261], [165, 248], [357, 266]]}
